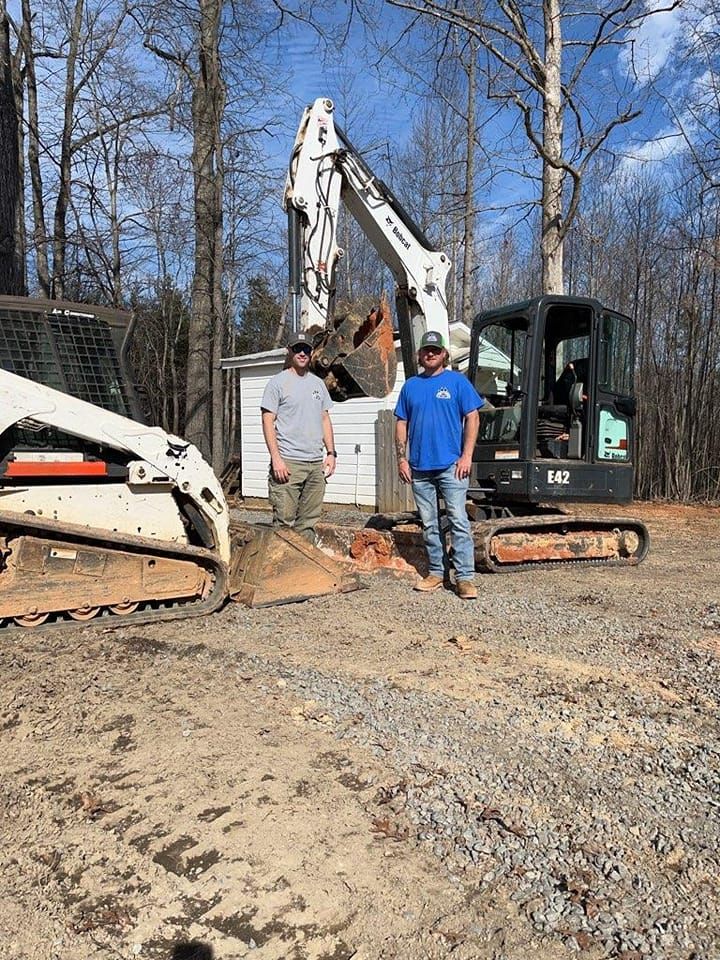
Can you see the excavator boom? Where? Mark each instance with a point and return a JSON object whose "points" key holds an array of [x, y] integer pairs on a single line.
{"points": [[355, 354]]}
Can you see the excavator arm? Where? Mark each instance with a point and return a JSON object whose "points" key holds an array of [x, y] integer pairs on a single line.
{"points": [[355, 355]]}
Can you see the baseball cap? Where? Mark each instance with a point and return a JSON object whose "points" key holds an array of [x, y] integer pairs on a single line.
{"points": [[431, 338], [297, 338]]}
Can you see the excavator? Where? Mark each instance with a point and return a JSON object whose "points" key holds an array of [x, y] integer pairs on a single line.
{"points": [[557, 371]]}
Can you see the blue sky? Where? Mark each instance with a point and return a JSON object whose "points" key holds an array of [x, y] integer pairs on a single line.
{"points": [[377, 100]]}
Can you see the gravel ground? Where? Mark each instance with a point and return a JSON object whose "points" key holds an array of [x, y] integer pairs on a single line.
{"points": [[379, 774]]}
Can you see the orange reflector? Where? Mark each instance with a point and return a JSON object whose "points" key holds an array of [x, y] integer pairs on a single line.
{"points": [[623, 444], [79, 468]]}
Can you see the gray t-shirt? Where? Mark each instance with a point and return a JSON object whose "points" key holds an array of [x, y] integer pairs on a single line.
{"points": [[298, 403]]}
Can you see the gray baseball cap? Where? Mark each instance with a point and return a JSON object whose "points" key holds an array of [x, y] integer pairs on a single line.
{"points": [[297, 338]]}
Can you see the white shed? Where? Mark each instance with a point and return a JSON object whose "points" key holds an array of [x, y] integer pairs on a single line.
{"points": [[353, 423]]}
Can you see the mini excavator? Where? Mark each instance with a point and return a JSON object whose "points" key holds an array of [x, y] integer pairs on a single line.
{"points": [[557, 371]]}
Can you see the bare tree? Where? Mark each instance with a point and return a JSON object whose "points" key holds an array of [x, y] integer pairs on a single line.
{"points": [[39, 228], [696, 115], [11, 259], [531, 66], [469, 213], [202, 72]]}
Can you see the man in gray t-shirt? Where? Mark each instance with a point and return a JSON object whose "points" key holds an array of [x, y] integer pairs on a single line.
{"points": [[296, 425]]}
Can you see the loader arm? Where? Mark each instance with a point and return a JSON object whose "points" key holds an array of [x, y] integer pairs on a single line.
{"points": [[355, 354], [158, 458]]}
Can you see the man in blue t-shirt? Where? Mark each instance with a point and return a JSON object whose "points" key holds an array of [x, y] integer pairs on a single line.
{"points": [[435, 432]]}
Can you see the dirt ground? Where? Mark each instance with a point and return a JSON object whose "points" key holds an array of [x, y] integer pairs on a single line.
{"points": [[379, 774]]}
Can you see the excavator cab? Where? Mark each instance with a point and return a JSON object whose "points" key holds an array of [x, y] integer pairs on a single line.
{"points": [[558, 372]]}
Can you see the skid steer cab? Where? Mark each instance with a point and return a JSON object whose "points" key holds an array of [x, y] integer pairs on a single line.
{"points": [[558, 372]]}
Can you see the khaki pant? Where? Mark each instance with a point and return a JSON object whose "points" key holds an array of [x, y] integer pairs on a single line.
{"points": [[298, 502]]}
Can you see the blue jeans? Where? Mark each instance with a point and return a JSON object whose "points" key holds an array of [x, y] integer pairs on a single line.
{"points": [[427, 485]]}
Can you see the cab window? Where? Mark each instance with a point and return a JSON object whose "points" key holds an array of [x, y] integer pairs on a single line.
{"points": [[616, 356]]}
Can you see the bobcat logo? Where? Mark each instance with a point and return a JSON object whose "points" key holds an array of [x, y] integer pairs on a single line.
{"points": [[443, 394]]}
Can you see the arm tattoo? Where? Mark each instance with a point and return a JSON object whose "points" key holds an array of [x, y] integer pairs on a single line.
{"points": [[400, 449]]}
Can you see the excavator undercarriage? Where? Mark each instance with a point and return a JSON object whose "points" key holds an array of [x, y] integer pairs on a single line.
{"points": [[525, 543], [393, 542]]}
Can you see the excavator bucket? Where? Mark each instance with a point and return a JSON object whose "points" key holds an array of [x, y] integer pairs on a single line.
{"points": [[373, 364], [271, 566], [358, 358]]}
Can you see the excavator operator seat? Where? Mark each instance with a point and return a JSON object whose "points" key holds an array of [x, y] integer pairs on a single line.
{"points": [[575, 373], [559, 427]]}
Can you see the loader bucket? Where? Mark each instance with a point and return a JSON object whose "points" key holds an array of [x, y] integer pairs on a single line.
{"points": [[358, 359], [270, 566]]}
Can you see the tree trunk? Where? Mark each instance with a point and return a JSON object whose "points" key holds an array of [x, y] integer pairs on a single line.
{"points": [[219, 434], [282, 324], [63, 197], [468, 307], [552, 184], [207, 108], [39, 231], [11, 272], [112, 177]]}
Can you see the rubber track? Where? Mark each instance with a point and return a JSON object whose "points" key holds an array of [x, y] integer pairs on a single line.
{"points": [[13, 525], [490, 528]]}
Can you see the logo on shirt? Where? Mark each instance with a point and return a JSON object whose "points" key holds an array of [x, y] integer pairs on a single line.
{"points": [[317, 395], [443, 394]]}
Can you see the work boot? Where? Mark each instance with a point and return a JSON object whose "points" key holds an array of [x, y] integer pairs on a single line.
{"points": [[428, 583], [466, 590]]}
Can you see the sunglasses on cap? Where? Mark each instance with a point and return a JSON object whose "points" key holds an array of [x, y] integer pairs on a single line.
{"points": [[302, 348]]}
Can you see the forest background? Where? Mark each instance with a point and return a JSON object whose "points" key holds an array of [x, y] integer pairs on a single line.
{"points": [[551, 146]]}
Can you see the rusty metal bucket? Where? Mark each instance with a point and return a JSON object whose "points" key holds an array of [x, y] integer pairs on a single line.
{"points": [[357, 358], [271, 566]]}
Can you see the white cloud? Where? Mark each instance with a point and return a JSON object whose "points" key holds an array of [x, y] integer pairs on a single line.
{"points": [[650, 45], [665, 144]]}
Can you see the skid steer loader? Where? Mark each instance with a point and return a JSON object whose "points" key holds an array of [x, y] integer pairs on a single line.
{"points": [[102, 515]]}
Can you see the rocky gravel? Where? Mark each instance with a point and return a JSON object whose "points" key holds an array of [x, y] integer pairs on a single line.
{"points": [[533, 774]]}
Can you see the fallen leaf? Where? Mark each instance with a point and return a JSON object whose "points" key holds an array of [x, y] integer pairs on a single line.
{"points": [[384, 827], [91, 804], [492, 813], [118, 917], [463, 642], [592, 907]]}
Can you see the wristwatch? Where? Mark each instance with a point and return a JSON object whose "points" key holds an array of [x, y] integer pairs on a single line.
{"points": [[332, 453]]}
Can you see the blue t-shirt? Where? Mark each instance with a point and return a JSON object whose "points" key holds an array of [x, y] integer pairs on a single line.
{"points": [[434, 408]]}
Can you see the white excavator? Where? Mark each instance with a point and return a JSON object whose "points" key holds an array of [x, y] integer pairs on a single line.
{"points": [[355, 354]]}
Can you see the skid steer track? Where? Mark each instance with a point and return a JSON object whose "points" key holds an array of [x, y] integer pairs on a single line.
{"points": [[54, 574]]}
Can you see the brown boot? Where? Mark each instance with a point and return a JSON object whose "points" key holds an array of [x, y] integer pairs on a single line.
{"points": [[428, 583], [466, 590]]}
